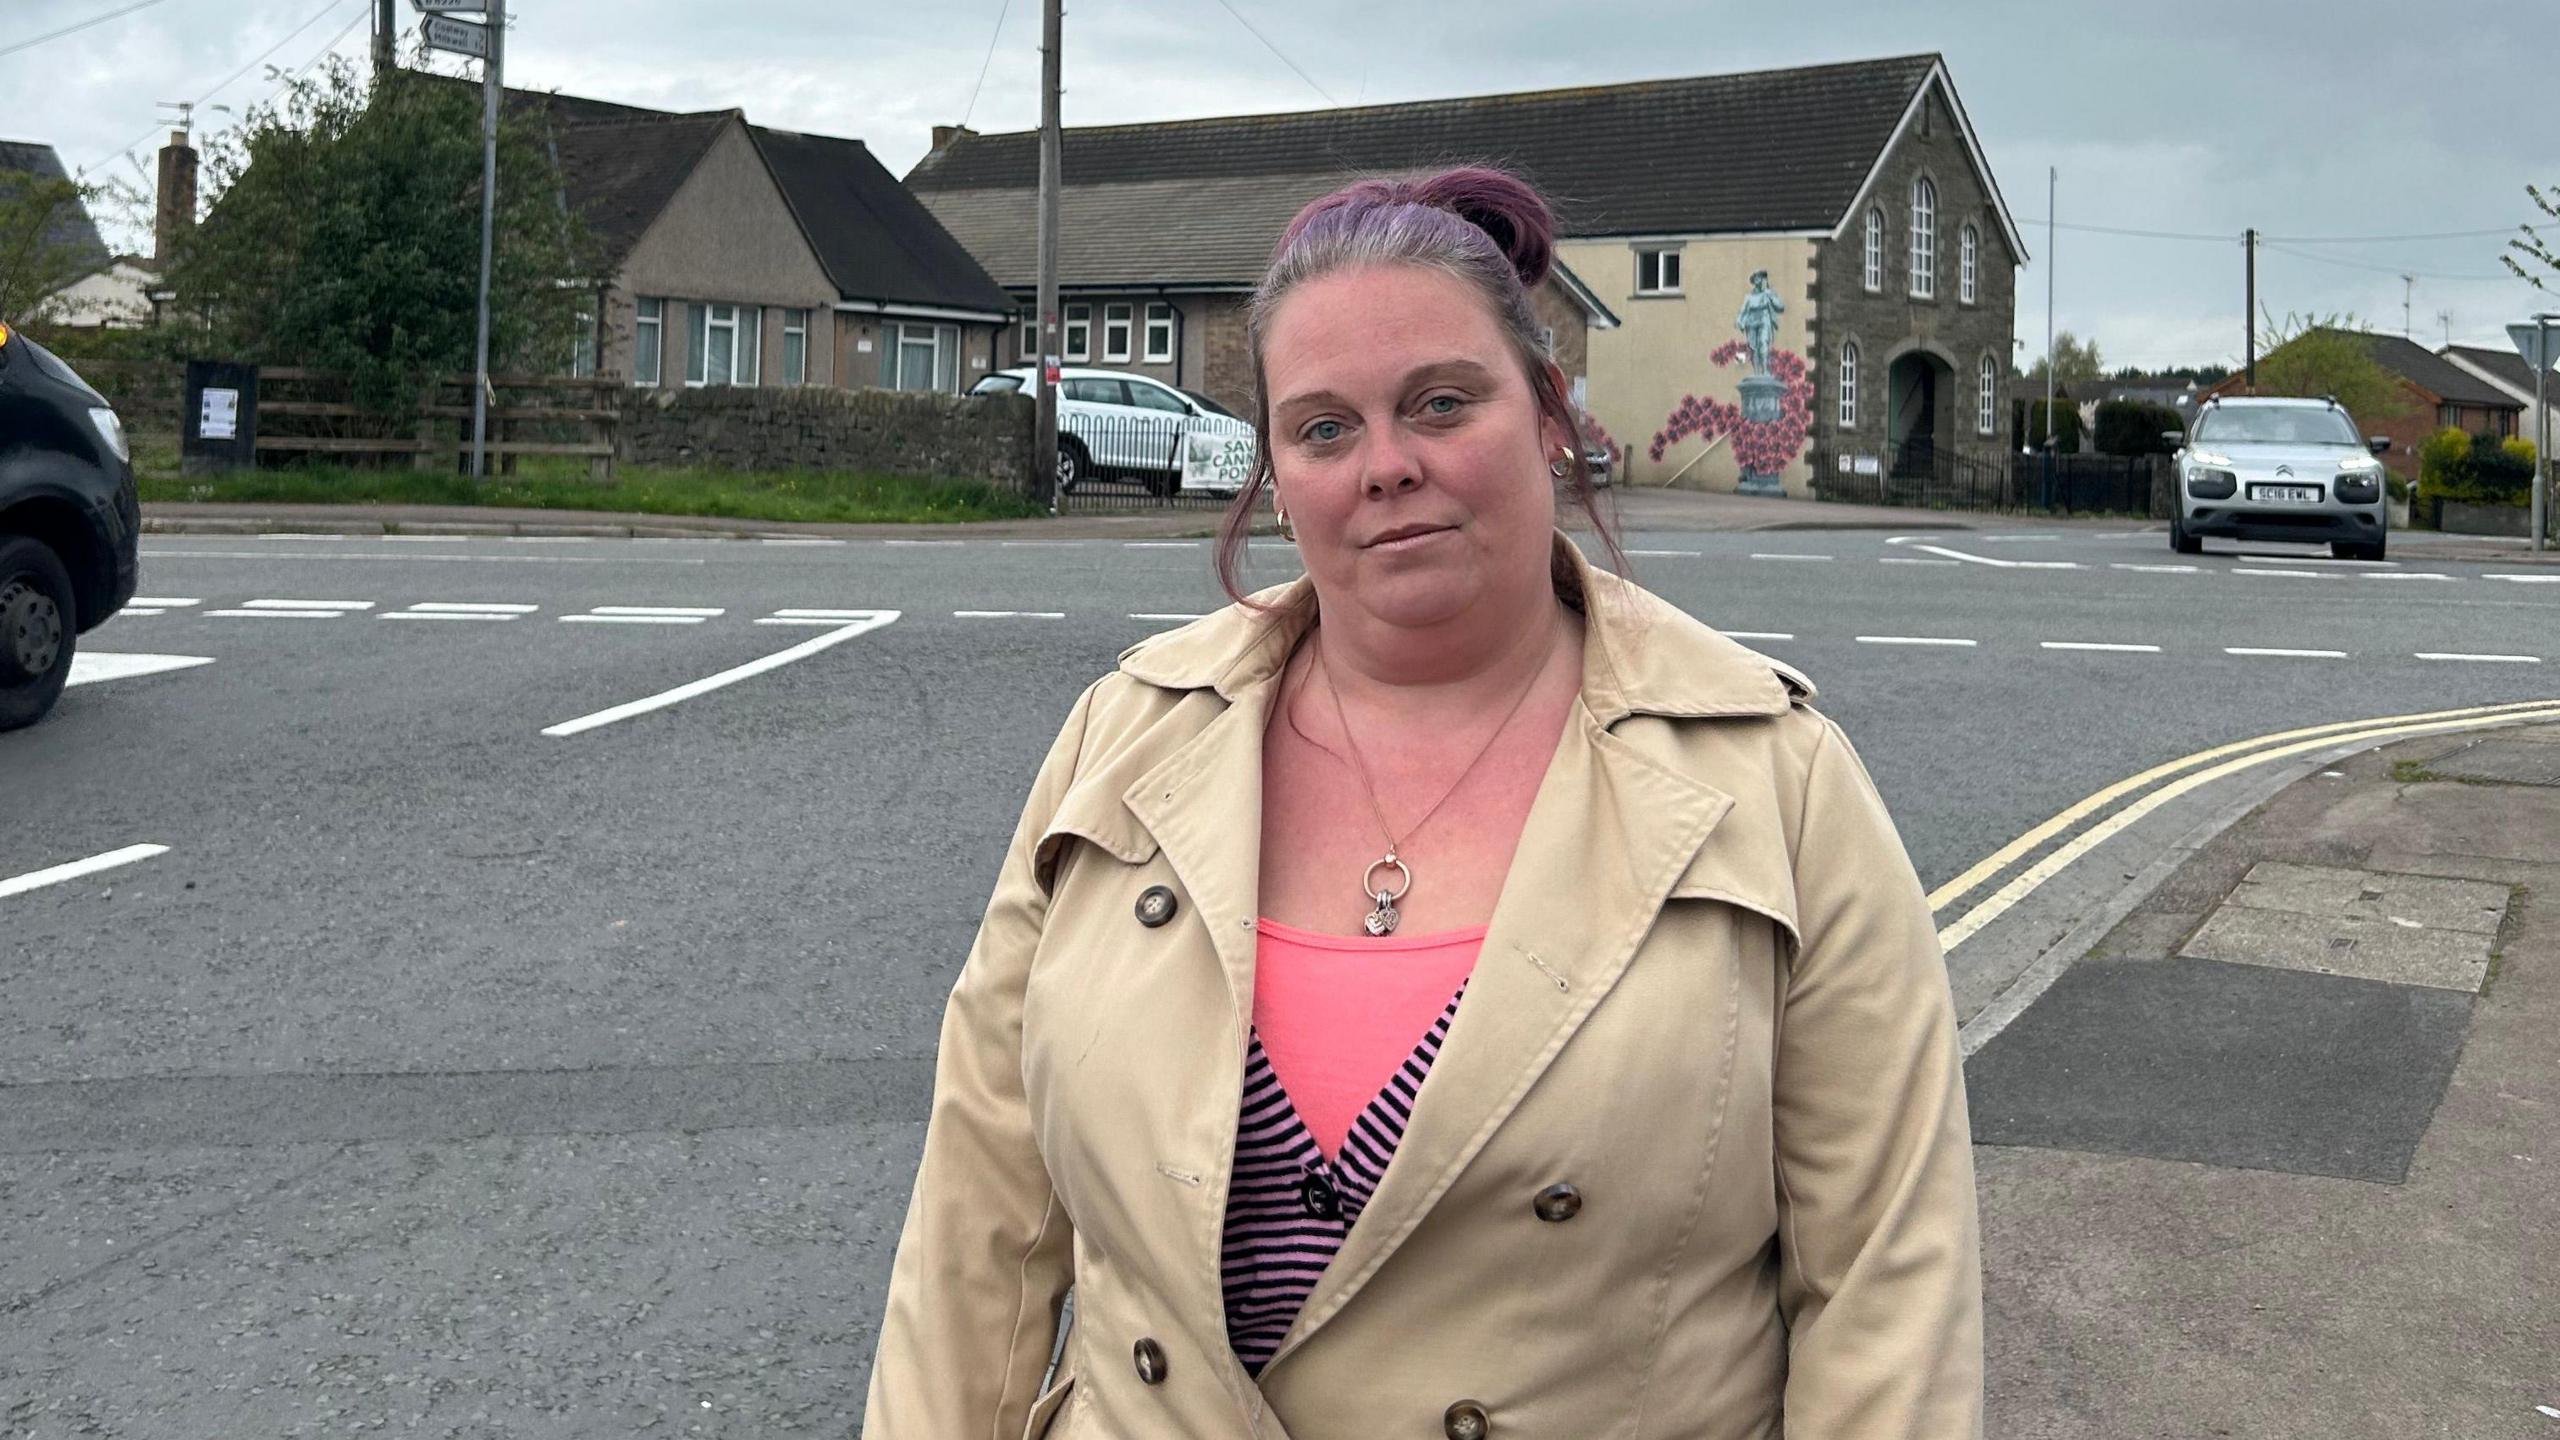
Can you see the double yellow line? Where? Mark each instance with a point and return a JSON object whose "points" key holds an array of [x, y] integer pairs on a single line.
{"points": [[2258, 750]]}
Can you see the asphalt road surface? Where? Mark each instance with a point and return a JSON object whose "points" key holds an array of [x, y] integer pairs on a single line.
{"points": [[528, 1025]]}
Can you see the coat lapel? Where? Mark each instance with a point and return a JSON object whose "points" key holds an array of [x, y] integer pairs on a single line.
{"points": [[1608, 835]]}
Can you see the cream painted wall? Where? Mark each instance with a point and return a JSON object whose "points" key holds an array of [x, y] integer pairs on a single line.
{"points": [[1658, 353]]}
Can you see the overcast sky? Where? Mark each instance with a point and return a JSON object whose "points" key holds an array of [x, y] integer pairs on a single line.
{"points": [[2304, 118]]}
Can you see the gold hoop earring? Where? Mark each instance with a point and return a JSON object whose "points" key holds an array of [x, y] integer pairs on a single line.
{"points": [[1288, 532], [1562, 465]]}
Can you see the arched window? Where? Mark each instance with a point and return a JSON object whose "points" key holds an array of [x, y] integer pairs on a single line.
{"points": [[1984, 404], [1924, 239], [1849, 386], [1875, 247], [1968, 265]]}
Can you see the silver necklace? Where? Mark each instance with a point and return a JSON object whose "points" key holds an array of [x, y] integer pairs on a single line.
{"points": [[1384, 916]]}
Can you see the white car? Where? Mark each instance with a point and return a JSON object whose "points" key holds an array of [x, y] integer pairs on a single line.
{"points": [[1114, 425]]}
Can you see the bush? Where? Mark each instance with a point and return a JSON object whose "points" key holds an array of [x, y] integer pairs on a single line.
{"points": [[2134, 427], [2475, 469], [2066, 423]]}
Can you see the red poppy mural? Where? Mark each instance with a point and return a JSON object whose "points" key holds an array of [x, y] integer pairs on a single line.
{"points": [[1763, 447]]}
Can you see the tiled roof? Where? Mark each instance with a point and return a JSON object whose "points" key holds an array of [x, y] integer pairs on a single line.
{"points": [[2432, 372], [874, 238], [2506, 365], [619, 174], [70, 226]]}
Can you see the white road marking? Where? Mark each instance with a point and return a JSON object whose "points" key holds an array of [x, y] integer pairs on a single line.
{"points": [[143, 610], [306, 605], [1912, 640], [1039, 544], [1664, 554], [2288, 574], [549, 539], [2485, 659], [1913, 560], [1999, 564], [297, 535], [1160, 544], [2154, 569], [445, 615], [796, 620], [732, 676], [160, 603], [2012, 539], [474, 607], [2099, 645], [921, 542], [2285, 654], [795, 540], [2406, 575], [631, 619], [2524, 579], [827, 614], [88, 667], [2311, 560], [1761, 555], [707, 612], [38, 879], [421, 558], [277, 614], [1756, 634], [433, 539], [1162, 615], [1008, 614]]}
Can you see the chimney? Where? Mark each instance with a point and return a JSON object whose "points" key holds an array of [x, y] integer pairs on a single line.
{"points": [[175, 214], [945, 134]]}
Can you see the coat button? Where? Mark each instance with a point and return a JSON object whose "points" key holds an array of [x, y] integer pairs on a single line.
{"points": [[1318, 1197], [1150, 1360], [1466, 1420], [1558, 1203], [1157, 906]]}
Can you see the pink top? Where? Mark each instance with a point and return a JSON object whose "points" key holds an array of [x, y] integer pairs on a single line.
{"points": [[1337, 1014]]}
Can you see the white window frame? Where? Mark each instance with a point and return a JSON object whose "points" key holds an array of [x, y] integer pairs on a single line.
{"points": [[1666, 271], [1924, 238], [583, 356], [1875, 250], [1849, 385], [1159, 313], [795, 326], [745, 324], [648, 341], [1077, 341], [1985, 410], [1969, 265], [1029, 354], [1119, 327], [943, 341]]}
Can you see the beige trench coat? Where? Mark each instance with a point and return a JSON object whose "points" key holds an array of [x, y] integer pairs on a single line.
{"points": [[1712, 1000]]}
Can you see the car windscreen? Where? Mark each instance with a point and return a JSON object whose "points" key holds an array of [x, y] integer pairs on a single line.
{"points": [[1212, 406], [2274, 425], [997, 385]]}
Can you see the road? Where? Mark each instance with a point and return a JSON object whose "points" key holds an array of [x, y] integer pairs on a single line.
{"points": [[527, 1027]]}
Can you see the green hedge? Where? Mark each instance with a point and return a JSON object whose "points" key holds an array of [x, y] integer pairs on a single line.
{"points": [[2478, 469]]}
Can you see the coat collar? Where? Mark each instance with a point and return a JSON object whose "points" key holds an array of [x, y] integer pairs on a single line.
{"points": [[1642, 656]]}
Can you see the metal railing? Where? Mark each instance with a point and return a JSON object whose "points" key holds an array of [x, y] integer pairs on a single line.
{"points": [[1116, 463], [1923, 475]]}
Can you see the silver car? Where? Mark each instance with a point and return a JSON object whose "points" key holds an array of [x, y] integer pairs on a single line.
{"points": [[2258, 468]]}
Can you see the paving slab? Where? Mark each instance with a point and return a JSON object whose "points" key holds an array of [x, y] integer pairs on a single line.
{"points": [[2402, 954], [2428, 901], [2518, 761]]}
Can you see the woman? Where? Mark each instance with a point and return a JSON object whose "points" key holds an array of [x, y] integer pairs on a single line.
{"points": [[1452, 994]]}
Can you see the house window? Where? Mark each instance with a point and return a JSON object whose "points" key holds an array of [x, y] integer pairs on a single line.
{"points": [[1924, 239], [1989, 375], [1657, 272], [1079, 332], [582, 354], [721, 348], [795, 347], [1968, 265], [1159, 332], [648, 340], [1849, 386], [1030, 342], [1875, 248], [917, 356], [1115, 333]]}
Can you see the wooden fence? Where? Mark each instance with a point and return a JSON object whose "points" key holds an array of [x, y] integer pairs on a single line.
{"points": [[308, 413]]}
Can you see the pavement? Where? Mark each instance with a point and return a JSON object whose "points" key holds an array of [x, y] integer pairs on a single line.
{"points": [[2277, 1156]]}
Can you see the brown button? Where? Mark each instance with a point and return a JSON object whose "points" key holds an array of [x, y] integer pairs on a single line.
{"points": [[1466, 1420], [1157, 906], [1150, 1358], [1558, 1203]]}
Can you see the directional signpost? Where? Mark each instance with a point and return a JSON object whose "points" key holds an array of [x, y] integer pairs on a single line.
{"points": [[486, 43], [2533, 341]]}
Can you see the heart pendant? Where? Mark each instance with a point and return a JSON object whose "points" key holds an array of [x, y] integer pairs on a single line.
{"points": [[1383, 920]]}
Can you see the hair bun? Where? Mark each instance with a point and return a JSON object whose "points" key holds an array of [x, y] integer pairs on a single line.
{"points": [[1504, 207]]}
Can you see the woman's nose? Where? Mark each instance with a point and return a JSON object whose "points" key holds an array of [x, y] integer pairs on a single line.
{"points": [[1388, 467]]}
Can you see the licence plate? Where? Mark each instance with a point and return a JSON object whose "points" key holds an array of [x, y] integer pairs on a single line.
{"points": [[2286, 494]]}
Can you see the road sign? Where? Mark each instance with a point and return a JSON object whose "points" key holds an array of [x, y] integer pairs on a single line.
{"points": [[451, 7], [462, 37], [2528, 338]]}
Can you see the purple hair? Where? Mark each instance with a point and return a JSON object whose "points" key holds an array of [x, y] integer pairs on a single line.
{"points": [[1486, 227]]}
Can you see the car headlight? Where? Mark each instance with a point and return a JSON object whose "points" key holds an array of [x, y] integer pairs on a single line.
{"points": [[2207, 460], [111, 430]]}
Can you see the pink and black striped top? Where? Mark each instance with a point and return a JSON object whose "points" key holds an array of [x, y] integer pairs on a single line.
{"points": [[1290, 1207]]}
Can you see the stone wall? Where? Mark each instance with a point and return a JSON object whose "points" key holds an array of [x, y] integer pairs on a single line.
{"points": [[887, 432]]}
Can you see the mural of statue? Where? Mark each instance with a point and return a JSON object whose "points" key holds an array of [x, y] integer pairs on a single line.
{"points": [[1758, 321]]}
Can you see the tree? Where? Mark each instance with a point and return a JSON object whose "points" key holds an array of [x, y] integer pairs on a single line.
{"points": [[346, 237], [2529, 252], [46, 240], [2072, 359], [2331, 356], [2135, 427]]}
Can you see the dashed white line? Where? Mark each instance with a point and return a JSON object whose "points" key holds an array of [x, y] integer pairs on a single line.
{"points": [[2310, 560], [420, 557], [550, 539], [2287, 574], [1913, 560], [1162, 615], [731, 676], [276, 614], [1039, 544], [297, 535], [474, 607], [921, 542], [1762, 555], [1914, 640], [2155, 569], [143, 610], [632, 619], [1757, 634], [2012, 539], [38, 879], [795, 540], [1008, 614], [338, 605], [2524, 579], [2406, 575], [2483, 659], [2285, 654], [705, 612], [161, 603], [1160, 544], [446, 615], [2100, 645], [429, 539], [1664, 554]]}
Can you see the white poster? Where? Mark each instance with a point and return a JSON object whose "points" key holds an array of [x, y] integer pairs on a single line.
{"points": [[221, 418]]}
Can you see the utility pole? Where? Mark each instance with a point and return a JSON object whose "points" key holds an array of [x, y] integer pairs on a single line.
{"points": [[1044, 448], [2052, 367], [2251, 313], [493, 83], [2542, 427], [2445, 319], [386, 37], [2408, 286]]}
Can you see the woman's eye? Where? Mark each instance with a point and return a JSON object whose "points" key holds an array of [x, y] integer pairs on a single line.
{"points": [[1325, 432], [1442, 404]]}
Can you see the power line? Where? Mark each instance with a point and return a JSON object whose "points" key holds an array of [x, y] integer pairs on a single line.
{"points": [[76, 29], [1274, 49], [2377, 269], [2231, 239], [972, 107], [2284, 239], [225, 83]]}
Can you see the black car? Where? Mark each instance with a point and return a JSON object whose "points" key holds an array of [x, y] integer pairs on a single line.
{"points": [[69, 523]]}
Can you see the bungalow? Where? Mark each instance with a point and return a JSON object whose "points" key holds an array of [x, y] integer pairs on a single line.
{"points": [[2436, 394]]}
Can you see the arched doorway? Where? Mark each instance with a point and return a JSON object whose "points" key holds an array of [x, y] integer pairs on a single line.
{"points": [[1920, 414]]}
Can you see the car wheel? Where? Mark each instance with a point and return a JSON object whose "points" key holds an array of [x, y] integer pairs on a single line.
{"points": [[2182, 542], [39, 628], [1074, 466]]}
